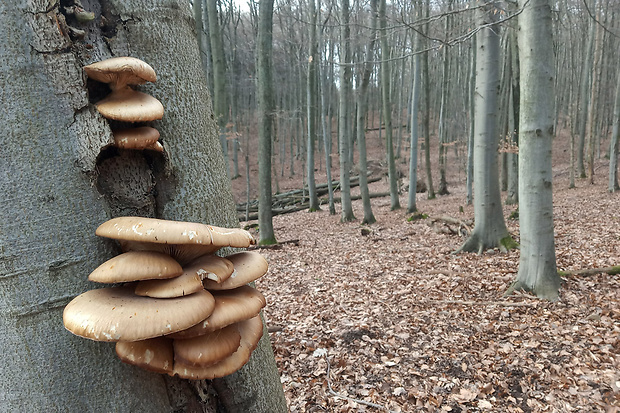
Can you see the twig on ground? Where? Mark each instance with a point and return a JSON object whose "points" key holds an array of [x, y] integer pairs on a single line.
{"points": [[333, 393], [463, 302]]}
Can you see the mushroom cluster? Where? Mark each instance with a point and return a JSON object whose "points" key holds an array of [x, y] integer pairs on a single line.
{"points": [[179, 309], [126, 104]]}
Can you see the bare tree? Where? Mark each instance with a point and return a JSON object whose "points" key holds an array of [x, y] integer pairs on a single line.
{"points": [[537, 263], [490, 229], [266, 114]]}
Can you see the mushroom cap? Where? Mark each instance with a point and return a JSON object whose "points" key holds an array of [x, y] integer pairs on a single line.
{"points": [[231, 306], [185, 284], [143, 137], [185, 241], [251, 331], [249, 266], [128, 105], [211, 267], [209, 348], [116, 314], [155, 354], [121, 71], [136, 266], [190, 281]]}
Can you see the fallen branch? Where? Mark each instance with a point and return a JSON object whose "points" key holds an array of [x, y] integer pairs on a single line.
{"points": [[464, 302], [340, 396], [275, 246], [615, 270]]}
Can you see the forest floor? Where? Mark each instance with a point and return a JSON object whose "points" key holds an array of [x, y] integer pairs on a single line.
{"points": [[385, 318]]}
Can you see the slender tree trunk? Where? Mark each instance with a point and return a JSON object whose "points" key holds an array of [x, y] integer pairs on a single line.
{"points": [[585, 85], [472, 118], [513, 124], [201, 34], [312, 107], [537, 264], [343, 124], [427, 110], [362, 109], [613, 145], [443, 112], [60, 172], [592, 110], [387, 107], [490, 230], [266, 114], [415, 106]]}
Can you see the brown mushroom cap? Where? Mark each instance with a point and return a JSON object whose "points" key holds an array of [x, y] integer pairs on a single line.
{"points": [[185, 241], [211, 267], [249, 266], [251, 331], [185, 284], [143, 137], [135, 266], [231, 306], [116, 314], [207, 349], [121, 71], [155, 354], [128, 105]]}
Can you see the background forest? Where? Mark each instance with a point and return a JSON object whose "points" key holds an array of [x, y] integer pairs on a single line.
{"points": [[385, 317]]}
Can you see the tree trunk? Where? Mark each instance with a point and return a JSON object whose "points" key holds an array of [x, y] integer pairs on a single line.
{"points": [[343, 124], [513, 124], [537, 264], [387, 107], [415, 105], [613, 145], [58, 184], [427, 110], [584, 85], [490, 230], [362, 109], [266, 114], [472, 118], [313, 58]]}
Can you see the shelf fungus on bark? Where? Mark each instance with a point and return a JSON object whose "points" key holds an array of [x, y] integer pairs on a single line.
{"points": [[164, 319], [126, 104]]}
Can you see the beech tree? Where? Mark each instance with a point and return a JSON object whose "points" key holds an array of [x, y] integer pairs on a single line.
{"points": [[537, 264], [266, 114], [490, 229], [59, 180]]}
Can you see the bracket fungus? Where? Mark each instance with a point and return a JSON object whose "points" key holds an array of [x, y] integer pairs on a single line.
{"points": [[126, 104], [162, 323]]}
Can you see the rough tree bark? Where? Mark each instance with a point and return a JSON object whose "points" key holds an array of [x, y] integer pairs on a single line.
{"points": [[59, 181], [537, 264], [266, 114], [490, 230]]}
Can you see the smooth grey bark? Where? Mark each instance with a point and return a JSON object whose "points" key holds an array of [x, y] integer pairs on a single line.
{"points": [[415, 107], [613, 145], [584, 88], [362, 109], [56, 187], [326, 130], [344, 129], [387, 106], [220, 105], [312, 110], [490, 229], [513, 123], [443, 111], [472, 118], [426, 111], [266, 114], [537, 264]]}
